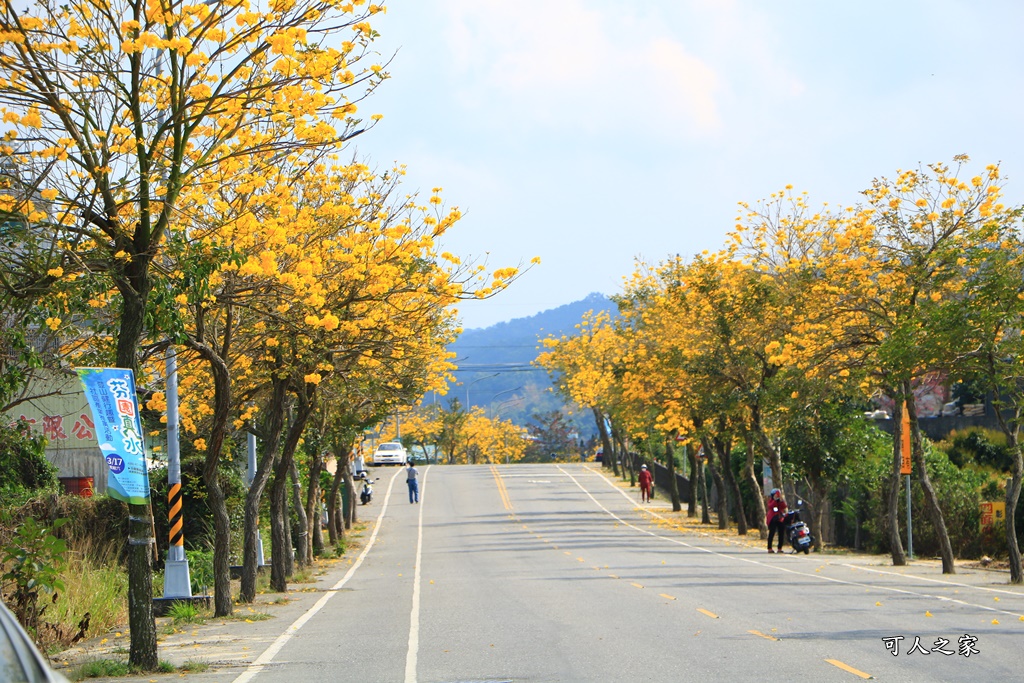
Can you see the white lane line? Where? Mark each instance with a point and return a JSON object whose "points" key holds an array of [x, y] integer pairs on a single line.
{"points": [[414, 618], [268, 655], [773, 566], [953, 584]]}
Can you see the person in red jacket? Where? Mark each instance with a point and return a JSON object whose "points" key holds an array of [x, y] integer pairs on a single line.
{"points": [[646, 483], [776, 518]]}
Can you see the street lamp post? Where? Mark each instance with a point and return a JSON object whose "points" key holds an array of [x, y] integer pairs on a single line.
{"points": [[497, 411], [507, 391], [478, 379]]}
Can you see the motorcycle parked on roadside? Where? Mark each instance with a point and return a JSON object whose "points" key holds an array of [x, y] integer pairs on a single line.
{"points": [[366, 495], [797, 531]]}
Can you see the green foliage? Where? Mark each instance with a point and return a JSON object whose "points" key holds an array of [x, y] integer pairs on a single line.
{"points": [[200, 569], [197, 518], [24, 468], [860, 500], [818, 439], [94, 600], [859, 494], [102, 668], [982, 447], [183, 613], [35, 558], [194, 666], [958, 491], [18, 358]]}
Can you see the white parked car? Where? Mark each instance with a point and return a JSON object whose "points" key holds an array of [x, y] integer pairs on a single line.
{"points": [[390, 453]]}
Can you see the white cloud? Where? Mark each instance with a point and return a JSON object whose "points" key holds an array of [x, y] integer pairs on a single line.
{"points": [[572, 64]]}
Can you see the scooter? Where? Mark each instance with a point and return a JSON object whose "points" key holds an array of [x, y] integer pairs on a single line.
{"points": [[366, 495], [797, 531]]}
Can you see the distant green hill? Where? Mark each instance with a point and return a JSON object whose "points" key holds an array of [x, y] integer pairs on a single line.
{"points": [[495, 362]]}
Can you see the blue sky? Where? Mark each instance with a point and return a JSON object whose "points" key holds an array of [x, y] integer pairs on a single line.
{"points": [[593, 133]]}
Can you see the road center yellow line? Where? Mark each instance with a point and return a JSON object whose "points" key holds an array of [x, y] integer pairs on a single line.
{"points": [[636, 585], [850, 669], [502, 491], [667, 596], [763, 635], [710, 614]]}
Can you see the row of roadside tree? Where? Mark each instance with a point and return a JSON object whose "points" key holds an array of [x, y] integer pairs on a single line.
{"points": [[779, 341], [180, 177]]}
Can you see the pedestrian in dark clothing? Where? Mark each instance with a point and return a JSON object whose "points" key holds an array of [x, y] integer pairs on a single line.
{"points": [[776, 518], [411, 475], [646, 484]]}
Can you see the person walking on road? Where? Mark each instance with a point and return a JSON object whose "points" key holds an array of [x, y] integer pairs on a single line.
{"points": [[776, 518], [646, 484], [411, 475]]}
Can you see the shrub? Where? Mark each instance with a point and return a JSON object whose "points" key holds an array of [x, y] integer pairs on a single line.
{"points": [[34, 558]]}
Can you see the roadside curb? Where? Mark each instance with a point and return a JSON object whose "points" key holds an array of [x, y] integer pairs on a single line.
{"points": [[925, 567], [220, 648]]}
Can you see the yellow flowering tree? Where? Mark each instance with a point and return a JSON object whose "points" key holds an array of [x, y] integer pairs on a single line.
{"points": [[113, 108], [334, 275], [585, 367]]}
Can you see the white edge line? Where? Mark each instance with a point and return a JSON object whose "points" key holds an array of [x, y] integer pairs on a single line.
{"points": [[268, 655], [776, 567], [414, 618]]}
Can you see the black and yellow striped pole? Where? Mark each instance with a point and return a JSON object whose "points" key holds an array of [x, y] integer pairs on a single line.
{"points": [[177, 583], [175, 537]]}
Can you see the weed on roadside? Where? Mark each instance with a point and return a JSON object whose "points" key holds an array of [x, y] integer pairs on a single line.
{"points": [[194, 666], [184, 613], [113, 668], [248, 615]]}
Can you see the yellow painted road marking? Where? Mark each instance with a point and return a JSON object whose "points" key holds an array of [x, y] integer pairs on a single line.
{"points": [[636, 585], [579, 559], [502, 491], [847, 667], [710, 614], [613, 576], [667, 596], [567, 552], [763, 635]]}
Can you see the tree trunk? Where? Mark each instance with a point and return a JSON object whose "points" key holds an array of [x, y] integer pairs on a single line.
{"points": [[280, 536], [303, 542], [141, 624], [1011, 428], [625, 456], [606, 442], [142, 652], [222, 601], [755, 485], [314, 504], [274, 422], [691, 505], [278, 529], [767, 446], [351, 516], [722, 509], [899, 559], [673, 484], [1013, 486], [931, 500], [819, 495], [724, 449], [705, 516], [335, 518]]}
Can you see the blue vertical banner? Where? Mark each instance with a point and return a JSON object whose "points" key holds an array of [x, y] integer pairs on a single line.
{"points": [[115, 410]]}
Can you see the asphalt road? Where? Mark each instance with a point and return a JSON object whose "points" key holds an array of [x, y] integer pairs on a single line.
{"points": [[554, 573]]}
